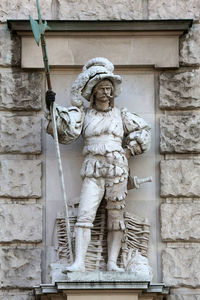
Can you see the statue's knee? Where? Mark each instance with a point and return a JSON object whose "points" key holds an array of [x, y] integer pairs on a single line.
{"points": [[84, 224], [115, 220]]}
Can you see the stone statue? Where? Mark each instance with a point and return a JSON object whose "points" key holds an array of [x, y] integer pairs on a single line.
{"points": [[110, 137]]}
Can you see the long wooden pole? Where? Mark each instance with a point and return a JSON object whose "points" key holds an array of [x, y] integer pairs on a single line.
{"points": [[55, 133]]}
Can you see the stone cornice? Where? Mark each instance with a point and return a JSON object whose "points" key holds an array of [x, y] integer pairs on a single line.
{"points": [[125, 43], [93, 26], [66, 288]]}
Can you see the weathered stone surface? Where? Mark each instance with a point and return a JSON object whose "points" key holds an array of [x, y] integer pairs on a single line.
{"points": [[20, 134], [180, 265], [98, 9], [180, 90], [19, 9], [190, 47], [20, 90], [9, 48], [185, 296], [16, 295], [170, 9], [20, 178], [20, 267], [180, 178], [180, 134], [15, 50], [20, 222], [180, 221], [72, 9]]}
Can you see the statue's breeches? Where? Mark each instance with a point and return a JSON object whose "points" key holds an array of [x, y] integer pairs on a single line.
{"points": [[93, 190]]}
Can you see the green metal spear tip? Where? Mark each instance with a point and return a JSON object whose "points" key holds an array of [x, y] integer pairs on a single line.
{"points": [[38, 28]]}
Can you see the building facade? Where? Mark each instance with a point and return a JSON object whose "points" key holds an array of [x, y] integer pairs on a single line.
{"points": [[166, 90]]}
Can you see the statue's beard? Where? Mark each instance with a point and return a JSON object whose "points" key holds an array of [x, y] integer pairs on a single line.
{"points": [[103, 104]]}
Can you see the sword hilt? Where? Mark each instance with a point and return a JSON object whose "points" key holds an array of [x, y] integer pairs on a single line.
{"points": [[135, 182]]}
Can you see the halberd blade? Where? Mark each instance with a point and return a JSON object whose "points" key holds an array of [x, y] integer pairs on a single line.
{"points": [[36, 30]]}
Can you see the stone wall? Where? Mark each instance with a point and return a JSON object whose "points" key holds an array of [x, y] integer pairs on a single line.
{"points": [[21, 158], [21, 203], [179, 95]]}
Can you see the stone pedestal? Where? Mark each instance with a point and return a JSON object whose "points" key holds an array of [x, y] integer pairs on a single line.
{"points": [[101, 286]]}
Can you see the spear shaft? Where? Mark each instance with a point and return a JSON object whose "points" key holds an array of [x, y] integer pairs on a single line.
{"points": [[38, 31]]}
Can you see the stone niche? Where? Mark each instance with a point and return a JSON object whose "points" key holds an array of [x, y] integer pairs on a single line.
{"points": [[139, 50]]}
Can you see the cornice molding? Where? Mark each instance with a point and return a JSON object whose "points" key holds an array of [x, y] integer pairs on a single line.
{"points": [[94, 26]]}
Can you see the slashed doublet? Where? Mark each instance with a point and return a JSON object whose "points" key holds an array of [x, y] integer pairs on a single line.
{"points": [[105, 166]]}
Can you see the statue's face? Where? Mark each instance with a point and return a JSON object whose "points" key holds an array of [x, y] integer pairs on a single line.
{"points": [[103, 91]]}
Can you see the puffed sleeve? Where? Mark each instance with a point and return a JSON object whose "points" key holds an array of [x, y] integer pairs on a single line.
{"points": [[69, 123], [137, 133]]}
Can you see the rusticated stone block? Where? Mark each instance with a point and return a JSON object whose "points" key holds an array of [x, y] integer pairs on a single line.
{"points": [[185, 296], [180, 221], [9, 48], [16, 295], [101, 10], [190, 47], [180, 265], [20, 222], [170, 9], [20, 90], [180, 90], [23, 9], [20, 134], [180, 134], [180, 178], [72, 9], [20, 267], [20, 178]]}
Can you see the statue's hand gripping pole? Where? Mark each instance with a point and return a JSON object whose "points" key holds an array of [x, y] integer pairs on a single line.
{"points": [[38, 32]]}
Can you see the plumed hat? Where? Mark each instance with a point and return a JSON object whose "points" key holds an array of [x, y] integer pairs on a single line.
{"points": [[94, 71]]}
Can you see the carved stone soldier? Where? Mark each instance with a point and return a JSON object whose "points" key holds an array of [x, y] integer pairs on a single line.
{"points": [[110, 137]]}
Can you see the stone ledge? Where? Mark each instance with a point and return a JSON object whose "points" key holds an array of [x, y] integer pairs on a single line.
{"points": [[105, 25], [73, 278], [85, 287]]}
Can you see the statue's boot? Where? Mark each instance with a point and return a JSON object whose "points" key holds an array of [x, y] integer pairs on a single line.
{"points": [[82, 240], [114, 245]]}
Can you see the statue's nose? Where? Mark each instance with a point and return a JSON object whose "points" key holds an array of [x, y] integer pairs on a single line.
{"points": [[106, 91]]}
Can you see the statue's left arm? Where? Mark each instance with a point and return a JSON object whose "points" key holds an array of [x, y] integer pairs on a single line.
{"points": [[137, 133]]}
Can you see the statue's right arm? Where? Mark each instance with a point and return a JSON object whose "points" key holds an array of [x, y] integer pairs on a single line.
{"points": [[69, 122]]}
